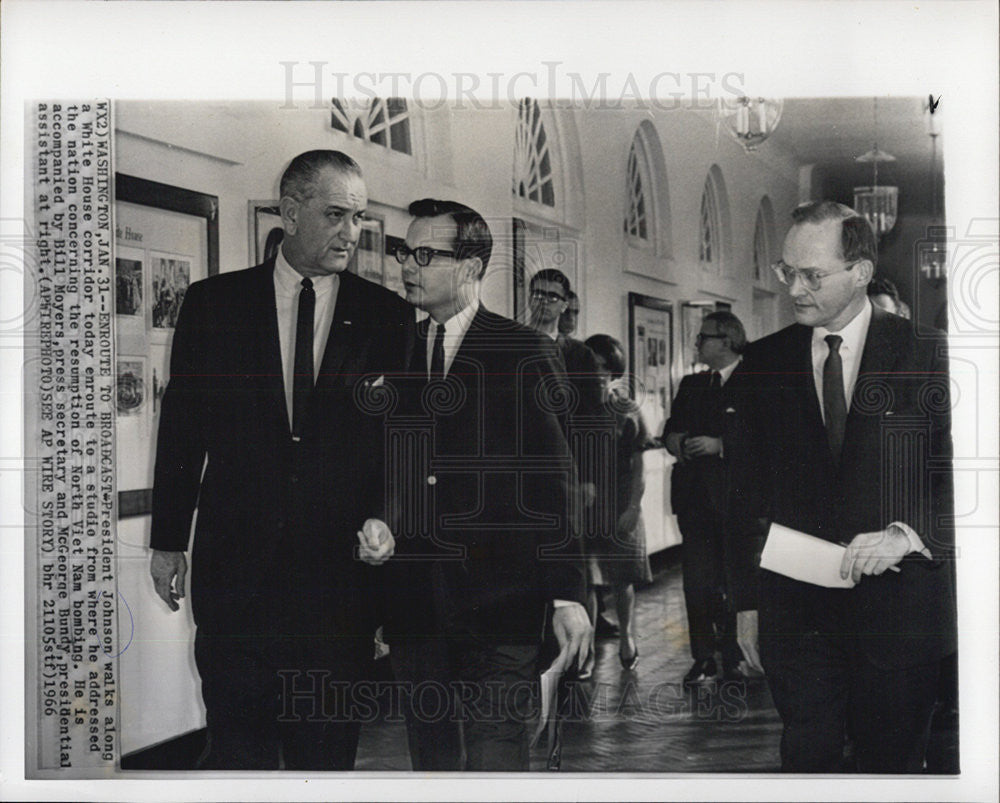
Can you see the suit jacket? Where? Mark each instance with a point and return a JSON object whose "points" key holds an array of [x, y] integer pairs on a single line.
{"points": [[895, 466], [277, 520], [697, 410], [483, 541]]}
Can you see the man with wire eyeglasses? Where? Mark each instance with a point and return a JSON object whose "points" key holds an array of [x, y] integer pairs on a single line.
{"points": [[845, 436]]}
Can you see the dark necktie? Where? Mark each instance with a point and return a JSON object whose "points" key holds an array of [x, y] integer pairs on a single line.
{"points": [[437, 355], [834, 403], [715, 383], [302, 373]]}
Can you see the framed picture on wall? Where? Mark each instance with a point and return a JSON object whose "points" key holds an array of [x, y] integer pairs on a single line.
{"points": [[265, 230], [651, 350], [166, 238], [369, 257], [692, 314]]}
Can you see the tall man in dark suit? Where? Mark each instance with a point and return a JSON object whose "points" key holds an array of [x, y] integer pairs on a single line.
{"points": [[485, 544], [695, 435], [269, 371], [847, 437]]}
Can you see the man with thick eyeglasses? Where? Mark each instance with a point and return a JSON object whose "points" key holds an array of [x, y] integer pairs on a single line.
{"points": [[547, 294], [695, 434], [485, 543], [845, 436]]}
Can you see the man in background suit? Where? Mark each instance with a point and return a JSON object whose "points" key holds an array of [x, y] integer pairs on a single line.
{"points": [[699, 493], [845, 435], [269, 370], [485, 545]]}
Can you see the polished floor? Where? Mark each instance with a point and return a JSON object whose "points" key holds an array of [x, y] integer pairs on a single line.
{"points": [[632, 722], [646, 721], [641, 721]]}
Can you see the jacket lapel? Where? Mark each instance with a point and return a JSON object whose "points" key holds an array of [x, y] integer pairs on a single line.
{"points": [[264, 313], [878, 361]]}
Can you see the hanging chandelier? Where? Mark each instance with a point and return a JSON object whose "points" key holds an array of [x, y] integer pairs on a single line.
{"points": [[750, 121], [879, 204]]}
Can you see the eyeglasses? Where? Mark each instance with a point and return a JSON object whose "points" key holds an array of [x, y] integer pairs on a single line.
{"points": [[550, 297], [422, 254], [812, 278], [701, 338]]}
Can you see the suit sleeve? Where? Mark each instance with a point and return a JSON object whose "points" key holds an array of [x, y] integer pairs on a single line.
{"points": [[940, 540], [562, 570], [181, 444], [681, 410], [747, 457]]}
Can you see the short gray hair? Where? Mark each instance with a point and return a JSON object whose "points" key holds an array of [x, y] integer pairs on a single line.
{"points": [[302, 174]]}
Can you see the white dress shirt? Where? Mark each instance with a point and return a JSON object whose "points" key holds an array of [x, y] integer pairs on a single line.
{"points": [[454, 333], [854, 336], [287, 285]]}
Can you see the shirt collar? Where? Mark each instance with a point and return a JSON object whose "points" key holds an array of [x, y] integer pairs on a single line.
{"points": [[853, 334], [289, 280], [457, 325], [725, 373]]}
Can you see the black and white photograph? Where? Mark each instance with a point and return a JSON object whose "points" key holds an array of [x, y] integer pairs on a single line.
{"points": [[668, 382], [128, 286], [168, 281]]}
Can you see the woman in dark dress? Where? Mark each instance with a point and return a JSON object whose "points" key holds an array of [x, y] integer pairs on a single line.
{"points": [[619, 559]]}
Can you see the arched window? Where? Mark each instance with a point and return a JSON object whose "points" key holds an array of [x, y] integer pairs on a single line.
{"points": [[533, 179], [763, 239], [638, 218], [382, 121], [709, 254]]}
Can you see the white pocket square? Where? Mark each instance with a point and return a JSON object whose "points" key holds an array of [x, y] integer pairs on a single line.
{"points": [[730, 410], [378, 382]]}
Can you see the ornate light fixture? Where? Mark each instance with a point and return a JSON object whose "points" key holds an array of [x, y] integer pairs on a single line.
{"points": [[750, 120], [878, 204]]}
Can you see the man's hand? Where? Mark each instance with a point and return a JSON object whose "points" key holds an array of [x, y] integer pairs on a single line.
{"points": [[702, 445], [377, 543], [675, 444], [874, 553], [168, 570], [747, 638], [628, 519], [572, 628]]}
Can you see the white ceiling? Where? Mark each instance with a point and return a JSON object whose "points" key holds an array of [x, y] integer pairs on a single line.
{"points": [[834, 130]]}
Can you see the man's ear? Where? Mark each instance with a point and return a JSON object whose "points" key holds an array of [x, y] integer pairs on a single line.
{"points": [[866, 269], [470, 268], [289, 208]]}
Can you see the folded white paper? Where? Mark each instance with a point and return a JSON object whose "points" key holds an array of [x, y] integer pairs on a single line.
{"points": [[804, 557]]}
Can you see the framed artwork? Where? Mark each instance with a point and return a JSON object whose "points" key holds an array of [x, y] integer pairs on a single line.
{"points": [[692, 314], [166, 237], [537, 247], [393, 270], [369, 257], [650, 327], [265, 230]]}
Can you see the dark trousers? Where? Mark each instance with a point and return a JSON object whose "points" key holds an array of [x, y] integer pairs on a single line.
{"points": [[467, 702], [711, 624], [824, 686], [273, 702]]}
